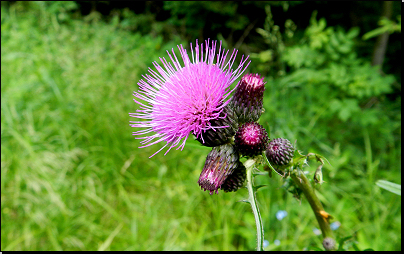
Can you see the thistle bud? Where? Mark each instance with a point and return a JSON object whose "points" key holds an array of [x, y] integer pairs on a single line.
{"points": [[247, 100], [280, 151], [251, 139], [226, 127], [220, 163], [236, 180]]}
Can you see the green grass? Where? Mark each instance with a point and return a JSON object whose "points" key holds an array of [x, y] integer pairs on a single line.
{"points": [[72, 177]]}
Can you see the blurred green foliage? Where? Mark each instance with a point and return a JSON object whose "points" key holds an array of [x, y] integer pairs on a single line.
{"points": [[392, 187], [386, 25], [343, 89], [72, 177], [335, 103]]}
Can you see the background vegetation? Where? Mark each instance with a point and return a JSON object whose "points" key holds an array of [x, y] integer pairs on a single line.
{"points": [[72, 177]]}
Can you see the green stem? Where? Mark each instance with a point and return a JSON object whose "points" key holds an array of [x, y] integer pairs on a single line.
{"points": [[249, 164], [303, 183]]}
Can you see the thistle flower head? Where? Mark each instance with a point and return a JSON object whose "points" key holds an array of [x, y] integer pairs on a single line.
{"points": [[220, 163], [251, 139], [248, 98], [179, 100], [280, 151]]}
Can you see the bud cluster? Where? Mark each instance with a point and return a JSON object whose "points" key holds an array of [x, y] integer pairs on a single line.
{"points": [[237, 134]]}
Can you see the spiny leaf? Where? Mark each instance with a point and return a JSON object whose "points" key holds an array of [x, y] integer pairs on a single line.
{"points": [[298, 158], [318, 176]]}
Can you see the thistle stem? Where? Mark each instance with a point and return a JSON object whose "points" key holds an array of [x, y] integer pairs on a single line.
{"points": [[249, 164], [322, 217]]}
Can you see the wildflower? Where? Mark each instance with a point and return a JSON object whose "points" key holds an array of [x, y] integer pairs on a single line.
{"points": [[329, 243], [179, 100], [280, 151], [281, 214], [251, 139], [316, 231], [248, 98], [220, 163], [335, 225]]}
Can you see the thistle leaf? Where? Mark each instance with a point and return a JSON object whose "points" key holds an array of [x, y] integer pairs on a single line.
{"points": [[255, 188]]}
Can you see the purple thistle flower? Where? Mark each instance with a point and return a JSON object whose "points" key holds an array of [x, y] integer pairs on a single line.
{"points": [[183, 99]]}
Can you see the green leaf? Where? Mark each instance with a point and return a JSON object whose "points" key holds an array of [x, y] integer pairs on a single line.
{"points": [[260, 173], [314, 248], [342, 241], [263, 32], [265, 56], [392, 187], [386, 25], [259, 187], [298, 159], [356, 248], [352, 33], [318, 175], [375, 32]]}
